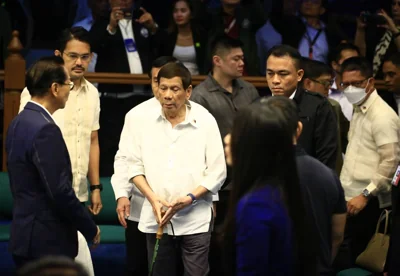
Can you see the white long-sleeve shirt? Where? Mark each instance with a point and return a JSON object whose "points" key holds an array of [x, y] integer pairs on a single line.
{"points": [[174, 161]]}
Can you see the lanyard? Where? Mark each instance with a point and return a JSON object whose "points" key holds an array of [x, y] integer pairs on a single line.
{"points": [[311, 43], [227, 30]]}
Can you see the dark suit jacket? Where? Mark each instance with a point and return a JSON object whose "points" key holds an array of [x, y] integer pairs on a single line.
{"points": [[112, 56], [46, 212], [319, 137], [388, 97], [168, 42]]}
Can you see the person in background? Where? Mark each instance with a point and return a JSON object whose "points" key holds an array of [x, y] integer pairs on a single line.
{"points": [[391, 76], [319, 77], [238, 20], [372, 156], [129, 198], [379, 40], [339, 54], [185, 39], [322, 192], [319, 137], [265, 233], [46, 212]]}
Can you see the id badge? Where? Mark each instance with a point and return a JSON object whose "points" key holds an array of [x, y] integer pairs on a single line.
{"points": [[130, 45], [396, 177]]}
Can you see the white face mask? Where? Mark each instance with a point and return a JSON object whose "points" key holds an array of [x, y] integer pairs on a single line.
{"points": [[355, 95]]}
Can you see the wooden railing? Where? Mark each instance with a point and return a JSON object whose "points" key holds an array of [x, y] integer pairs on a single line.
{"points": [[259, 82], [14, 82]]}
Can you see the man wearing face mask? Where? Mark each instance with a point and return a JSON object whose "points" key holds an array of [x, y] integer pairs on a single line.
{"points": [[372, 156]]}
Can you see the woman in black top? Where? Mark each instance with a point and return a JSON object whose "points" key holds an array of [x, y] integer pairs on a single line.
{"points": [[185, 39]]}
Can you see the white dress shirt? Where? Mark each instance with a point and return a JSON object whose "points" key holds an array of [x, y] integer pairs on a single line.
{"points": [[77, 120], [175, 161], [373, 152]]}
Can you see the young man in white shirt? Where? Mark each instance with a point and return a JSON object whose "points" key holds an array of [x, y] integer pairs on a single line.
{"points": [[180, 179]]}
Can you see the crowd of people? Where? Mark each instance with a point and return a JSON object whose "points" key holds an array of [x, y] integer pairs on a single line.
{"points": [[233, 183]]}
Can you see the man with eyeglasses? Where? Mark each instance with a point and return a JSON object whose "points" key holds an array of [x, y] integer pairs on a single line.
{"points": [[372, 156], [318, 77], [79, 120], [46, 211]]}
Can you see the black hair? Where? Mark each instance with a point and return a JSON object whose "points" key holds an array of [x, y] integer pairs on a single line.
{"points": [[313, 69], [395, 59], [223, 44], [43, 73], [172, 70], [286, 50], [336, 53], [160, 62], [52, 266], [77, 33], [263, 154], [172, 25], [357, 64]]}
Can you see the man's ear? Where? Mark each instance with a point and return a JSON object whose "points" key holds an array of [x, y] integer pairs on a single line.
{"points": [[54, 89], [299, 129], [189, 92], [57, 53], [300, 74], [307, 84]]}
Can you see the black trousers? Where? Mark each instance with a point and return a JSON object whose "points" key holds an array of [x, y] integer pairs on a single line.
{"points": [[136, 250], [358, 232], [216, 250]]}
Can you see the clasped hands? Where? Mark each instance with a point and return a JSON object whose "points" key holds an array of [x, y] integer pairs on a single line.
{"points": [[159, 205]]}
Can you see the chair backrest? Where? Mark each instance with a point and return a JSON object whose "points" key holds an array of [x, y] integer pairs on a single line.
{"points": [[6, 200], [108, 214]]}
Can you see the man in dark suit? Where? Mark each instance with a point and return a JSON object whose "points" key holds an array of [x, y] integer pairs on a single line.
{"points": [[46, 212], [319, 136], [125, 43]]}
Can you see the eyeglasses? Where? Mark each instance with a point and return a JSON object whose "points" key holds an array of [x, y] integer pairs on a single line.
{"points": [[75, 56], [325, 83], [71, 85], [358, 84]]}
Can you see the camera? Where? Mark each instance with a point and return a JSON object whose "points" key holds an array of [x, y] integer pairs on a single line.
{"points": [[373, 19]]}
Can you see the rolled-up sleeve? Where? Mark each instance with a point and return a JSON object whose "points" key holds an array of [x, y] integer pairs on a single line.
{"points": [[215, 173], [386, 136], [127, 163]]}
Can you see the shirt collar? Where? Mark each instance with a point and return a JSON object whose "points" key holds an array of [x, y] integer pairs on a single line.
{"points": [[323, 26], [293, 94], [42, 107], [190, 117], [368, 103]]}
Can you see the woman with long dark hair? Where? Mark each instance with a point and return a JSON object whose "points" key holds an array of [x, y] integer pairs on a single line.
{"points": [[185, 39], [266, 233]]}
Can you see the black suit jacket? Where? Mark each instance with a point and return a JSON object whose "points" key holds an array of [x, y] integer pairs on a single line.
{"points": [[319, 136], [388, 97], [111, 52], [46, 211], [168, 42]]}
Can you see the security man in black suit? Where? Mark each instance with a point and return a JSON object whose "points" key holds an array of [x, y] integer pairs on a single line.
{"points": [[319, 136]]}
